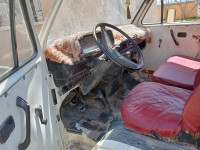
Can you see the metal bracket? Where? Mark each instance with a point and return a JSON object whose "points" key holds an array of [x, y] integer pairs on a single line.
{"points": [[38, 112]]}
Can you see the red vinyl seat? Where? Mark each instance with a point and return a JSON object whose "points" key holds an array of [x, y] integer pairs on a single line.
{"points": [[164, 109], [179, 71], [185, 61]]}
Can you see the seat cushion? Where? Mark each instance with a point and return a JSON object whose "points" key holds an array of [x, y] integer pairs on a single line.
{"points": [[174, 74], [154, 107]]}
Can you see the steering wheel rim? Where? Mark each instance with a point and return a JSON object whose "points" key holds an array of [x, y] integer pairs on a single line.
{"points": [[113, 54]]}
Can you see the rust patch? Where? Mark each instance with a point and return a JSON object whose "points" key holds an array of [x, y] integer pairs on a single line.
{"points": [[149, 72], [197, 37]]}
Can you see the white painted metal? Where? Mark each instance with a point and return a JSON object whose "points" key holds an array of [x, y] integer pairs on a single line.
{"points": [[32, 88], [189, 46], [46, 28], [113, 145], [30, 83]]}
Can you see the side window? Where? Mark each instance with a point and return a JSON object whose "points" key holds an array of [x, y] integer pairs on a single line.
{"points": [[9, 52], [24, 47], [181, 10], [6, 53], [37, 11], [173, 11]]}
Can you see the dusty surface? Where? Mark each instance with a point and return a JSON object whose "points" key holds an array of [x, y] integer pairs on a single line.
{"points": [[141, 33], [65, 50], [94, 121], [68, 49], [78, 142]]}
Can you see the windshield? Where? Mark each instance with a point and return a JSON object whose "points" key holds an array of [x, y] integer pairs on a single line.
{"points": [[82, 15]]}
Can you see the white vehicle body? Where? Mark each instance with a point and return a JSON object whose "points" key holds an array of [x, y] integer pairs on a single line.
{"points": [[33, 83]]}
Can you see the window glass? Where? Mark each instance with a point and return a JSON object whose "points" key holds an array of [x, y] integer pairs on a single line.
{"points": [[153, 14], [37, 11], [180, 10], [24, 46], [173, 11], [4, 13], [6, 60], [81, 15]]}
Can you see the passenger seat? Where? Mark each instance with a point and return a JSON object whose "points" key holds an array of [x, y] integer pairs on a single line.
{"points": [[179, 71]]}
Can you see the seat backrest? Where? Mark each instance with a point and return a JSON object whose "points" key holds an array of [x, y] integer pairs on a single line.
{"points": [[191, 111]]}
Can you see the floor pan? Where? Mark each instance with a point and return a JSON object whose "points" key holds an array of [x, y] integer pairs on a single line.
{"points": [[94, 121]]}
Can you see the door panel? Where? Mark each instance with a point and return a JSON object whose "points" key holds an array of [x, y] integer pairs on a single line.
{"points": [[33, 89], [29, 82], [189, 46]]}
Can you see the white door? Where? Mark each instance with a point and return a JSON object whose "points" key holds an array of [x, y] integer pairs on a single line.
{"points": [[172, 33], [163, 45], [27, 117]]}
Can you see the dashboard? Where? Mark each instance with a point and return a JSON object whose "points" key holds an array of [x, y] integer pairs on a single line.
{"points": [[89, 46], [89, 67]]}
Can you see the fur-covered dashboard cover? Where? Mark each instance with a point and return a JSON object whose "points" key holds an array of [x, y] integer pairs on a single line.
{"points": [[68, 49]]}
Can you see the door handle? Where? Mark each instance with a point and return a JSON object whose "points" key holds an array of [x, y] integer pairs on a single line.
{"points": [[6, 128], [174, 39], [38, 112], [24, 105]]}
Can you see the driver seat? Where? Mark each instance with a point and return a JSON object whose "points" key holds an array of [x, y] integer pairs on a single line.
{"points": [[165, 110]]}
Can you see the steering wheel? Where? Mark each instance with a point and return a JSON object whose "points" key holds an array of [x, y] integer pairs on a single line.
{"points": [[112, 53]]}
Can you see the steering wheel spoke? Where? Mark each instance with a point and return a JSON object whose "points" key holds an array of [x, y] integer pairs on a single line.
{"points": [[105, 37], [120, 56], [111, 52]]}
